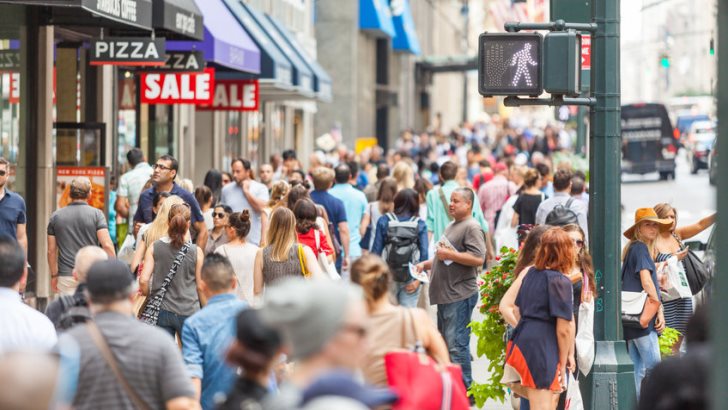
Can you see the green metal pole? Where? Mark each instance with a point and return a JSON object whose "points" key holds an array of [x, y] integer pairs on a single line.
{"points": [[719, 330], [611, 381], [580, 130]]}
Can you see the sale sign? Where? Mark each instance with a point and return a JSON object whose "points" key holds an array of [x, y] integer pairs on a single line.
{"points": [[234, 95], [586, 52], [178, 88]]}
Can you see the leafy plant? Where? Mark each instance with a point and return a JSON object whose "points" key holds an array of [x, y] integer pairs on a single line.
{"points": [[667, 341], [490, 331]]}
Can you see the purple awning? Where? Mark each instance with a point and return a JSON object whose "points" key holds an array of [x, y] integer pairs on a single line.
{"points": [[225, 42]]}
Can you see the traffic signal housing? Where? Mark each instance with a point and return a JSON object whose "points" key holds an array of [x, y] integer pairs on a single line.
{"points": [[510, 64], [562, 63]]}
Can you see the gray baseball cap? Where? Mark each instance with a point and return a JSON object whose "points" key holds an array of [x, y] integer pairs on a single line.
{"points": [[308, 312]]}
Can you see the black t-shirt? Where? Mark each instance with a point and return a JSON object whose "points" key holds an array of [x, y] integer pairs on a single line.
{"points": [[526, 206], [638, 258]]}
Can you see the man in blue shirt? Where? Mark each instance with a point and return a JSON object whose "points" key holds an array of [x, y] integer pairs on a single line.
{"points": [[12, 209], [165, 171], [355, 203], [207, 334], [322, 179]]}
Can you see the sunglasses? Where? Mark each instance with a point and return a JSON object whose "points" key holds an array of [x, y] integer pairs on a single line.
{"points": [[579, 243], [218, 215], [2, 173], [162, 167]]}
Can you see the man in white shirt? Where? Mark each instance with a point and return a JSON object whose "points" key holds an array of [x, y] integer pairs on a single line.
{"points": [[246, 193], [131, 185], [23, 328], [561, 197]]}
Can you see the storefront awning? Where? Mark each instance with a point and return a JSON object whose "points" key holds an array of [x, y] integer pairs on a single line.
{"points": [[224, 42], [137, 13], [302, 75], [405, 38], [276, 71], [321, 79], [178, 17], [375, 17]]}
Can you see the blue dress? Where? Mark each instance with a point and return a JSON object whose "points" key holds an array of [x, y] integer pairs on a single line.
{"points": [[533, 351]]}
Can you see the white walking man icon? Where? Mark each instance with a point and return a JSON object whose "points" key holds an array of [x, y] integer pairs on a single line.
{"points": [[522, 59]]}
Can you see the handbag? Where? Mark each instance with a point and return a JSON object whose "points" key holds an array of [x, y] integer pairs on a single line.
{"points": [[111, 361], [302, 261], [585, 334], [420, 382], [573, 394], [334, 240], [696, 272], [638, 309], [150, 312], [326, 265]]}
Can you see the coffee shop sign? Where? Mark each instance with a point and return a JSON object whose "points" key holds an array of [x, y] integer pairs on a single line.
{"points": [[125, 9]]}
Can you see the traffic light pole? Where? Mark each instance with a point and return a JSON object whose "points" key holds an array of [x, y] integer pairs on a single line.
{"points": [[610, 384]]}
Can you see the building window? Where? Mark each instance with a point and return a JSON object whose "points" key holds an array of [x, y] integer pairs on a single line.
{"points": [[382, 61]]}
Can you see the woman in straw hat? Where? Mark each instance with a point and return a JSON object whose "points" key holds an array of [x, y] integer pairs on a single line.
{"points": [[640, 274]]}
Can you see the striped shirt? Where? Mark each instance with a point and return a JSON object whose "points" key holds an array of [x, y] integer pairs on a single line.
{"points": [[147, 356]]}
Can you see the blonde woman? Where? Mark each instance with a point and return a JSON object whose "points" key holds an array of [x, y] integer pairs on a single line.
{"points": [[283, 256], [639, 273], [404, 174], [149, 233], [278, 192]]}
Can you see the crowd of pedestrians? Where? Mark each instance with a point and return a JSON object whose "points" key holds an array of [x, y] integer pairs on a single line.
{"points": [[276, 290]]}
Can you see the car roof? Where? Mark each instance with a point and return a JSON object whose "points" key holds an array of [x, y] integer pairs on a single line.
{"points": [[702, 125]]}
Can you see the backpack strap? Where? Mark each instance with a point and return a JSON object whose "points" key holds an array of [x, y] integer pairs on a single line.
{"points": [[444, 203], [391, 217], [569, 202], [67, 302]]}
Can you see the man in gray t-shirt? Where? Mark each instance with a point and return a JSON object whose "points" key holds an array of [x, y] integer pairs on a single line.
{"points": [[72, 228], [147, 356], [246, 193], [459, 256]]}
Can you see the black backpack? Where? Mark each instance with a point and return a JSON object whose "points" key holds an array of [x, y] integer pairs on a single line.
{"points": [[74, 312], [562, 215], [402, 246]]}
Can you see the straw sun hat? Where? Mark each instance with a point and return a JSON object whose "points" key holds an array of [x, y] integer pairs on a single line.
{"points": [[643, 215]]}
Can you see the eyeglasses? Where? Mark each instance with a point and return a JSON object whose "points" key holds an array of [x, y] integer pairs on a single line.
{"points": [[162, 167], [218, 215], [360, 331]]}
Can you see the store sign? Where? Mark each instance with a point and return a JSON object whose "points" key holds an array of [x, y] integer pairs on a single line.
{"points": [[178, 88], [9, 60], [10, 83], [128, 51], [65, 176], [234, 95], [184, 61]]}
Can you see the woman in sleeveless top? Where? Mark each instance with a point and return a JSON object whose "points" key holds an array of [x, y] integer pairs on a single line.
{"points": [[183, 295], [151, 232], [283, 256], [677, 311], [391, 327], [241, 253]]}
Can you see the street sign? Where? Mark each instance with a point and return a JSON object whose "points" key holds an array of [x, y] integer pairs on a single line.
{"points": [[128, 51], [184, 61], [178, 88], [510, 64], [234, 95], [586, 51]]}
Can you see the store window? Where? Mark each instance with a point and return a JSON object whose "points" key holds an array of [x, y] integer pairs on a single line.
{"points": [[162, 131], [13, 93], [251, 149], [127, 116], [233, 136]]}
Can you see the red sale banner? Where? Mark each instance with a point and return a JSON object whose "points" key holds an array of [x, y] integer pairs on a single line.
{"points": [[234, 95], [178, 88]]}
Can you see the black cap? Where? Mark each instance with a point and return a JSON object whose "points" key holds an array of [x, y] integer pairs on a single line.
{"points": [[108, 279]]}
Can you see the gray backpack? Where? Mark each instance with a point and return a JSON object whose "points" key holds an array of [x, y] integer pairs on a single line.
{"points": [[402, 246]]}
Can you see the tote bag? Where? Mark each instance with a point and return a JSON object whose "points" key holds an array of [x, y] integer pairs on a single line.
{"points": [[585, 334], [421, 383], [326, 266], [573, 395]]}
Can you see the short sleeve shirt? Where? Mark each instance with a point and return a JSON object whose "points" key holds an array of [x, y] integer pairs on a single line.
{"points": [[145, 213], [75, 227], [234, 197], [637, 259], [334, 208], [12, 213], [456, 282], [131, 184]]}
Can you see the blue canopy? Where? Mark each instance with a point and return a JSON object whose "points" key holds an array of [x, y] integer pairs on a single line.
{"points": [[375, 17], [405, 38]]}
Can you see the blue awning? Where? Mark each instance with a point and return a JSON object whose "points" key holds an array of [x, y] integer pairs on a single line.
{"points": [[375, 17], [405, 38], [275, 70], [321, 79], [224, 42], [302, 75]]}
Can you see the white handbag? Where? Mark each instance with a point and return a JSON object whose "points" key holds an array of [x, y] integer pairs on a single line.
{"points": [[326, 265], [585, 349]]}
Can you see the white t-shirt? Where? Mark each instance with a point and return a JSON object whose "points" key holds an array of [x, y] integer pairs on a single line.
{"points": [[243, 259]]}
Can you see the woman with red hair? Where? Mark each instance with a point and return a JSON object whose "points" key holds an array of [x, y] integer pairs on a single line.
{"points": [[541, 347]]}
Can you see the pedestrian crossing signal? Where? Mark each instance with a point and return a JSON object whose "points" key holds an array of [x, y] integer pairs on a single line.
{"points": [[510, 64]]}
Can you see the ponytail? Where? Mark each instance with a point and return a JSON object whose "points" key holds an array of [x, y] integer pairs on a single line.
{"points": [[179, 218]]}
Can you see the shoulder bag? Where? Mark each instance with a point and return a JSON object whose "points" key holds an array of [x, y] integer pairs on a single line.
{"points": [[420, 381], [110, 360], [695, 270], [584, 339], [150, 311], [302, 262], [445, 203], [323, 260], [638, 309]]}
